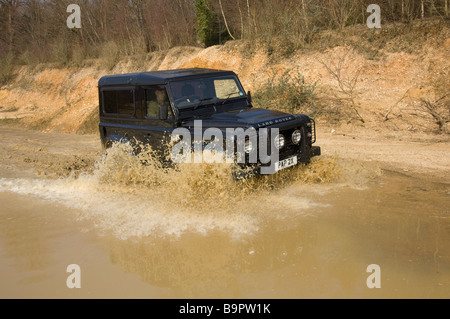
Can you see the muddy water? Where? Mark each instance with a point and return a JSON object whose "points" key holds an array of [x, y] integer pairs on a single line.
{"points": [[310, 232]]}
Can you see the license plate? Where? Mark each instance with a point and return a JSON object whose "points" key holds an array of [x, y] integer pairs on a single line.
{"points": [[289, 162]]}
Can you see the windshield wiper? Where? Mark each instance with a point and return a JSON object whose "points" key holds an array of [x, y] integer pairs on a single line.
{"points": [[212, 98], [201, 102], [229, 97]]}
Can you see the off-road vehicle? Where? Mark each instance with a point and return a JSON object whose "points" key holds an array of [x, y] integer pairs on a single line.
{"points": [[149, 107]]}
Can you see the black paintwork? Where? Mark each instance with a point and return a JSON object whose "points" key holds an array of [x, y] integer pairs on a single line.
{"points": [[234, 113], [157, 77]]}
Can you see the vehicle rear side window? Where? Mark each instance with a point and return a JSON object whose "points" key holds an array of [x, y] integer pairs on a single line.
{"points": [[119, 102]]}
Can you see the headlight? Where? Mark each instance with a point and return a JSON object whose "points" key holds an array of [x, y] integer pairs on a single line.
{"points": [[248, 146], [296, 137], [280, 141]]}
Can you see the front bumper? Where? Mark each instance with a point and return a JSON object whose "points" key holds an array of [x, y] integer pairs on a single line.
{"points": [[316, 151], [304, 157]]}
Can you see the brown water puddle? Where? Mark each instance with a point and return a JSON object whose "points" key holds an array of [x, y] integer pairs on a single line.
{"points": [[298, 240]]}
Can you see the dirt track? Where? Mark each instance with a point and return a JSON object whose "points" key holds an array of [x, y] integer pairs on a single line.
{"points": [[26, 152], [411, 154]]}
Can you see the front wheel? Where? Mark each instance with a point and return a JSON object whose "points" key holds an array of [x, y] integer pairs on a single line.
{"points": [[242, 173]]}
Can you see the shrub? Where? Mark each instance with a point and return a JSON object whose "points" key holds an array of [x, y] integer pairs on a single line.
{"points": [[288, 92], [6, 70], [61, 52], [110, 55]]}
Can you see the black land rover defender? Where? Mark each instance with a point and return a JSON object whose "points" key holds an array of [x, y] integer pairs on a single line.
{"points": [[149, 107]]}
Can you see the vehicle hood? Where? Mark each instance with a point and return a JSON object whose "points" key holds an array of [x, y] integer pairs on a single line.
{"points": [[248, 117]]}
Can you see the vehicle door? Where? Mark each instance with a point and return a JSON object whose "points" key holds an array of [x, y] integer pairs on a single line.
{"points": [[158, 119]]}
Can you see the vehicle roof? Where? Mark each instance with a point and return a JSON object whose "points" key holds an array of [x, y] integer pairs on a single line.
{"points": [[157, 77]]}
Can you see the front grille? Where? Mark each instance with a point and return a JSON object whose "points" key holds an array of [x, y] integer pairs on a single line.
{"points": [[308, 138], [290, 149], [288, 139]]}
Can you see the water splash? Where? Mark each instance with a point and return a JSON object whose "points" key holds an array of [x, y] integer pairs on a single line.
{"points": [[134, 195]]}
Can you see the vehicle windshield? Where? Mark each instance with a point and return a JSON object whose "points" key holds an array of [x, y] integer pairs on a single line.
{"points": [[202, 91]]}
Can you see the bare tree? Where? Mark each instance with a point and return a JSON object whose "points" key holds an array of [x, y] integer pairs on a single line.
{"points": [[34, 29], [403, 10], [347, 84], [11, 7], [341, 11], [241, 18], [138, 10], [225, 20], [422, 9], [439, 110]]}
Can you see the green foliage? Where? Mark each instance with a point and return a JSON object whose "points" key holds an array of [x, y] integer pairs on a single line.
{"points": [[206, 21], [287, 92]]}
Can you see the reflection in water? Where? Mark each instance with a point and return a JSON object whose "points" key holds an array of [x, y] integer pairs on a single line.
{"points": [[309, 232], [325, 254], [207, 266], [26, 238], [27, 245]]}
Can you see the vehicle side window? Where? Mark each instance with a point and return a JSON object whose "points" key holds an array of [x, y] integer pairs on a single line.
{"points": [[154, 98], [119, 102]]}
